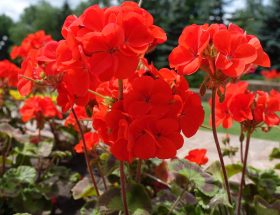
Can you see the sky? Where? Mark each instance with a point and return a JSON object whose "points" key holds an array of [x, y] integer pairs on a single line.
{"points": [[14, 8]]}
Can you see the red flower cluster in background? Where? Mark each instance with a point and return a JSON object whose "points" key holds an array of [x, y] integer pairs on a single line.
{"points": [[219, 50], [271, 74], [197, 156], [9, 73], [31, 42], [34, 66], [91, 140], [250, 108], [81, 114], [40, 109]]}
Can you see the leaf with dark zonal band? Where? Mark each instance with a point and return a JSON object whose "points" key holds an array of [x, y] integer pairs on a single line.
{"points": [[202, 180]]}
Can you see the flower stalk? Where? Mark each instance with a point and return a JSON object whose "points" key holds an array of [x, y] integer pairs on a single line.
{"points": [[214, 129], [242, 182], [122, 174], [86, 153]]}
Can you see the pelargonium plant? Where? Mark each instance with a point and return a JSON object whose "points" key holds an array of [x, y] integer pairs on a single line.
{"points": [[139, 112]]}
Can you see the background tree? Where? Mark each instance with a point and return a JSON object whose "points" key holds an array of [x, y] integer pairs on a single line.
{"points": [[40, 16], [270, 32], [5, 42], [250, 17]]}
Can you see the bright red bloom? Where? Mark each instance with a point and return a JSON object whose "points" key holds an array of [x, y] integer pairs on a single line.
{"points": [[81, 114], [223, 115], [148, 97], [149, 138], [31, 42], [241, 106], [220, 51], [234, 53], [186, 58], [39, 108], [107, 59], [197, 156], [9, 73], [91, 139], [271, 74], [266, 108], [192, 107]]}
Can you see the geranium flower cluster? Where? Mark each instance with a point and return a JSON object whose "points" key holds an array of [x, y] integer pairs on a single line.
{"points": [[32, 68], [8, 73], [99, 45], [249, 108], [39, 109], [147, 123], [140, 111], [223, 52]]}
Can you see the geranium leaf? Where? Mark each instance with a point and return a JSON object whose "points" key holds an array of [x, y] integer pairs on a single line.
{"points": [[44, 148], [83, 189], [111, 200], [192, 172]]}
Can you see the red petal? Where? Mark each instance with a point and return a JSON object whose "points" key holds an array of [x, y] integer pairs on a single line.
{"points": [[222, 41]]}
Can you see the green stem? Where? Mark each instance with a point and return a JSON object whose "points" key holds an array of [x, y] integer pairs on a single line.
{"points": [[86, 153], [122, 175], [123, 188], [214, 129], [249, 132], [97, 94]]}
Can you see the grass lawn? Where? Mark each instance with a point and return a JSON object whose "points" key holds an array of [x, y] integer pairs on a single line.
{"points": [[273, 134]]}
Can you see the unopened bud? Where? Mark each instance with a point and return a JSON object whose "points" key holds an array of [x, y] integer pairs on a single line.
{"points": [[202, 89]]}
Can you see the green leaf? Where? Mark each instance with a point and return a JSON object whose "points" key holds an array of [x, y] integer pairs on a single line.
{"points": [[275, 154], [215, 170], [192, 172], [220, 199], [137, 198], [24, 174], [141, 212], [27, 149], [83, 189], [233, 169], [277, 166], [44, 148], [13, 132], [263, 207]]}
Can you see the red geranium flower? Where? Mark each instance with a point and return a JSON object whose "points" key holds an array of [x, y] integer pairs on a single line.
{"points": [[186, 58], [192, 107], [81, 114], [241, 106], [40, 109], [9, 73], [197, 156], [91, 139], [234, 53], [271, 74], [223, 115]]}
